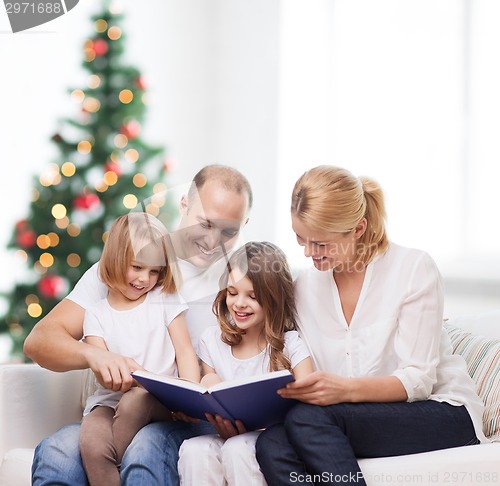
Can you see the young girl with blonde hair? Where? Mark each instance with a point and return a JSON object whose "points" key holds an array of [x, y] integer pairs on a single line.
{"points": [[141, 318], [256, 312]]}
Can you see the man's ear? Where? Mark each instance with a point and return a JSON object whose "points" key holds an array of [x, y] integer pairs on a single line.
{"points": [[360, 229], [184, 205]]}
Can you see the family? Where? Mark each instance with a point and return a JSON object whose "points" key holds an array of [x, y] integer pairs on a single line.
{"points": [[361, 330]]}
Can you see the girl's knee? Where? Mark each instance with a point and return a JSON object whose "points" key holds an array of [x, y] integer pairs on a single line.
{"points": [[188, 451], [132, 398], [135, 402], [239, 446], [203, 446]]}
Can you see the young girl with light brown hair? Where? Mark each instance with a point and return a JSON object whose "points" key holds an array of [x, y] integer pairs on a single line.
{"points": [[256, 312], [141, 318]]}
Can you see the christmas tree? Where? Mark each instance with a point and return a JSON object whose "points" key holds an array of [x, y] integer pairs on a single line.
{"points": [[104, 170]]}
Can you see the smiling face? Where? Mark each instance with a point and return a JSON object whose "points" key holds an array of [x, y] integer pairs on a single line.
{"points": [[246, 312], [140, 279], [211, 221], [329, 251]]}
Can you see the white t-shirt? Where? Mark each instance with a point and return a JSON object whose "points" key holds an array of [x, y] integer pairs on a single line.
{"points": [[219, 356], [396, 329], [140, 333], [198, 290]]}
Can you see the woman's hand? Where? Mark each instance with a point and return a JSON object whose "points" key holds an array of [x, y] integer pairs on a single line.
{"points": [[225, 427], [319, 388]]}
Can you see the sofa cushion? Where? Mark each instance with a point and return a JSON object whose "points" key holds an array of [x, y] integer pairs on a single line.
{"points": [[483, 363], [485, 323], [474, 465], [89, 386], [16, 468]]}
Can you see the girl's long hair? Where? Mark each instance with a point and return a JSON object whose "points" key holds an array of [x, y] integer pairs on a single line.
{"points": [[267, 268]]}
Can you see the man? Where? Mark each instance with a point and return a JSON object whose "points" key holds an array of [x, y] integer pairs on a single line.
{"points": [[212, 215]]}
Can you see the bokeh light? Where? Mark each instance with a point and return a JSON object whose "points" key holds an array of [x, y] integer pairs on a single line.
{"points": [[84, 147], [46, 260], [100, 25], [126, 96], [73, 230], [139, 180], [130, 201], [68, 169], [114, 33], [73, 260], [59, 211], [35, 310], [132, 155]]}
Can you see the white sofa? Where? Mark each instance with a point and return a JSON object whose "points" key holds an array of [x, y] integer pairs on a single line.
{"points": [[35, 402]]}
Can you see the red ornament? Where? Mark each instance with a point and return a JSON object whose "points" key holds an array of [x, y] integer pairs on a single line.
{"points": [[21, 224], [51, 286], [100, 47], [26, 238], [113, 167], [140, 82], [86, 201], [131, 129], [169, 164]]}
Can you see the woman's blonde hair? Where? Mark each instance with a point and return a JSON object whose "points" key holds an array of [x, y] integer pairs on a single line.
{"points": [[267, 268], [138, 236], [332, 199]]}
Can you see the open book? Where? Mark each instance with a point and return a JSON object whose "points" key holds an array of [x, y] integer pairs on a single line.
{"points": [[252, 400]]}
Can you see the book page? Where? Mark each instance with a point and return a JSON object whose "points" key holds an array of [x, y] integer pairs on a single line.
{"points": [[248, 379], [172, 380]]}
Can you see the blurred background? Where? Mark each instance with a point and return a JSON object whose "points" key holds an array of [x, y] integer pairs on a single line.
{"points": [[405, 92]]}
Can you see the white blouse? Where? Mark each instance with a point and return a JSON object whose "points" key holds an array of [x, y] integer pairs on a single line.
{"points": [[396, 329], [219, 355]]}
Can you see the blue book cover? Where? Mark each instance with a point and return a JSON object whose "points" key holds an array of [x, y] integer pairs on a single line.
{"points": [[252, 400]]}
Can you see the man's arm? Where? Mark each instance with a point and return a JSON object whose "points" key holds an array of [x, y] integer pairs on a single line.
{"points": [[55, 343]]}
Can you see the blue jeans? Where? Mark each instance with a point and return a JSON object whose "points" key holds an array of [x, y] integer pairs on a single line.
{"points": [[151, 458], [322, 443]]}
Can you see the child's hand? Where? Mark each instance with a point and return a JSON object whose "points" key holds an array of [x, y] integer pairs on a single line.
{"points": [[182, 417], [225, 427], [111, 370], [210, 379]]}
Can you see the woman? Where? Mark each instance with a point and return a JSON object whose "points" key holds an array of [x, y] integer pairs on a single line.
{"points": [[371, 314]]}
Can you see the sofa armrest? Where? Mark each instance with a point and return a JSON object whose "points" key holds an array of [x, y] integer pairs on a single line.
{"points": [[35, 402]]}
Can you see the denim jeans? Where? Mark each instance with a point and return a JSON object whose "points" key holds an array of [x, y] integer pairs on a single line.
{"points": [[151, 458], [321, 444]]}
